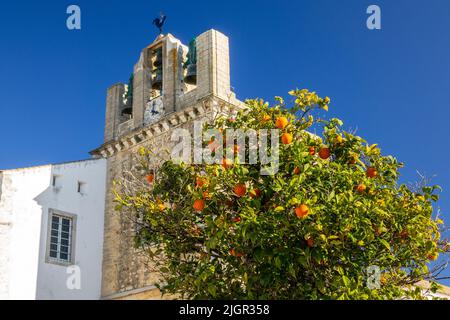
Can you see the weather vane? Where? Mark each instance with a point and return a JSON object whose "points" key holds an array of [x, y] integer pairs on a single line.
{"points": [[159, 22]]}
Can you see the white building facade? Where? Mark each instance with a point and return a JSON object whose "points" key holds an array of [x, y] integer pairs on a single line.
{"points": [[51, 231]]}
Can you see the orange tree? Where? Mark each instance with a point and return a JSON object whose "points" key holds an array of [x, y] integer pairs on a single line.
{"points": [[316, 229]]}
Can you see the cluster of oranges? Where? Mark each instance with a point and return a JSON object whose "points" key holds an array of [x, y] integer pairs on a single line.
{"points": [[371, 172], [301, 211], [281, 123]]}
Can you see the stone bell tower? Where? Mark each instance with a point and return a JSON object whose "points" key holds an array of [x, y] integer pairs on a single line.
{"points": [[171, 86]]}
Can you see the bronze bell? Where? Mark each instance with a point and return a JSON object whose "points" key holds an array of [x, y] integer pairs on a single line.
{"points": [[158, 60], [191, 74], [157, 80]]}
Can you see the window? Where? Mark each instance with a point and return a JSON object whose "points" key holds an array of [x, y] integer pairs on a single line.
{"points": [[81, 188], [56, 181], [61, 235]]}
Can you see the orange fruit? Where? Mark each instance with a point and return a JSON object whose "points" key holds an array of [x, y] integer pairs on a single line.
{"points": [[310, 242], [339, 139], [432, 256], [232, 253], [240, 190], [281, 122], [296, 170], [227, 163], [302, 211], [150, 178], [199, 205], [286, 138], [324, 153], [312, 151], [361, 188], [371, 172], [200, 182], [255, 193], [237, 219], [266, 118], [161, 206]]}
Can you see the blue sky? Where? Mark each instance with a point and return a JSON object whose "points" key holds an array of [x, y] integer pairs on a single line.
{"points": [[392, 84]]}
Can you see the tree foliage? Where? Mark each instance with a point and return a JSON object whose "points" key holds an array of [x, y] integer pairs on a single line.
{"points": [[311, 231]]}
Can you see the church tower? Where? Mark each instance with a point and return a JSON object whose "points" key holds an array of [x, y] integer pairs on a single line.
{"points": [[171, 86]]}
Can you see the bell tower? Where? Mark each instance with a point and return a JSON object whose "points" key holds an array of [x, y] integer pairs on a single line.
{"points": [[168, 77], [172, 85]]}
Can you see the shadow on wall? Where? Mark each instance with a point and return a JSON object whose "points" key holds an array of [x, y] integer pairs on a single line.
{"points": [[44, 282], [71, 238]]}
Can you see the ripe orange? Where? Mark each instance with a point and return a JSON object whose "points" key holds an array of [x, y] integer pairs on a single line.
{"points": [[361, 188], [296, 170], [266, 118], [281, 123], [324, 153], [255, 193], [237, 219], [371, 172], [161, 206], [432, 256], [286, 138], [312, 151], [150, 178], [232, 253], [302, 211], [310, 242], [200, 182], [339, 140], [240, 190], [227, 163], [199, 205]]}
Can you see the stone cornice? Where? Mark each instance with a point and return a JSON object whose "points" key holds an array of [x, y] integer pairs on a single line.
{"points": [[165, 124]]}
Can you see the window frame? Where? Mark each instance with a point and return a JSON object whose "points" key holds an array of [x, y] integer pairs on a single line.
{"points": [[81, 188], [72, 237]]}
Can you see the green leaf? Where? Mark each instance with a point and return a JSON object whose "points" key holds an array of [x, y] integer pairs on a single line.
{"points": [[346, 280], [212, 289], [386, 244]]}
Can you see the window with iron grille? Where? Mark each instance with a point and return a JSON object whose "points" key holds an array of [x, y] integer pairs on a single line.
{"points": [[61, 237]]}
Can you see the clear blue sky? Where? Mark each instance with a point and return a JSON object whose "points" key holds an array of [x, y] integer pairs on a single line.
{"points": [[393, 84]]}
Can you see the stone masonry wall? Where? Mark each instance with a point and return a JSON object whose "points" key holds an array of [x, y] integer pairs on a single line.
{"points": [[125, 268]]}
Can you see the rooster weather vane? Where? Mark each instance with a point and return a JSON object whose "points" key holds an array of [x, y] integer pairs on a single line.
{"points": [[159, 22]]}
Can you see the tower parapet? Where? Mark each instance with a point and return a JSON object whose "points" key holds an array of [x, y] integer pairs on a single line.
{"points": [[164, 81]]}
